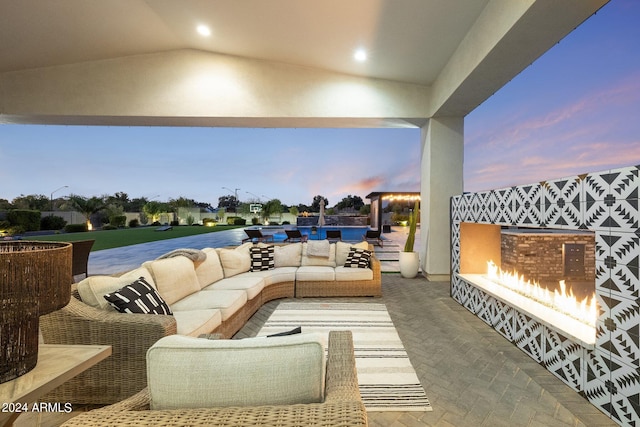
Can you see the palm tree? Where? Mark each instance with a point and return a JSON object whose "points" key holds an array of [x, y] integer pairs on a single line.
{"points": [[87, 206], [272, 207]]}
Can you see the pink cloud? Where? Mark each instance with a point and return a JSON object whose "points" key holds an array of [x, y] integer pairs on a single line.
{"points": [[597, 131]]}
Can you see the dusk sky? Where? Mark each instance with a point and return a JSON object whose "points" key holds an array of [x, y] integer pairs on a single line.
{"points": [[574, 110]]}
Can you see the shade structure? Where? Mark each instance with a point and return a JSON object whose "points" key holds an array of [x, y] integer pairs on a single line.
{"points": [[35, 279]]}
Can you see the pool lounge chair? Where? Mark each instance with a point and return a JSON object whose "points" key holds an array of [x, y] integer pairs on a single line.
{"points": [[373, 237], [334, 235], [256, 235], [295, 236]]}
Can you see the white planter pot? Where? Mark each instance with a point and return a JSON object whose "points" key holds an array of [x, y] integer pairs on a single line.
{"points": [[409, 264]]}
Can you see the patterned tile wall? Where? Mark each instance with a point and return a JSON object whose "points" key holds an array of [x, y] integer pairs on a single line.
{"points": [[604, 202]]}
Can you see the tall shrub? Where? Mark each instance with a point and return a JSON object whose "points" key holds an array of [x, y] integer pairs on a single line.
{"points": [[52, 222], [28, 220]]}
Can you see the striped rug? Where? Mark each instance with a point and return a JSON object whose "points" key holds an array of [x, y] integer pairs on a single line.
{"points": [[387, 380]]}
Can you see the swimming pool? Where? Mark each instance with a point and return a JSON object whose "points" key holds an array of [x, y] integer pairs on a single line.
{"points": [[349, 233]]}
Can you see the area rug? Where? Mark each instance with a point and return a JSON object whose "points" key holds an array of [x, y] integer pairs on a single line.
{"points": [[387, 380]]}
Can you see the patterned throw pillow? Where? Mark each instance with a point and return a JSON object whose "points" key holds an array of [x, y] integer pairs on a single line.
{"points": [[262, 258], [358, 258], [138, 297]]}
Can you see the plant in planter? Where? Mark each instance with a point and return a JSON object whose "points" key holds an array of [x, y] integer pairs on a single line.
{"points": [[410, 260]]}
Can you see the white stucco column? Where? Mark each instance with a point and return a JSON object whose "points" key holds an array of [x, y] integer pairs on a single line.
{"points": [[442, 141]]}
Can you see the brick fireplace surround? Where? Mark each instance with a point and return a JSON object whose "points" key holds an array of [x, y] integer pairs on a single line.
{"points": [[607, 204]]}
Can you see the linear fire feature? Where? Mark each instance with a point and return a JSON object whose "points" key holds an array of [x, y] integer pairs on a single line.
{"points": [[576, 330]]}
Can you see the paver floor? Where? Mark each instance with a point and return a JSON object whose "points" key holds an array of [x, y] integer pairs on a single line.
{"points": [[471, 374]]}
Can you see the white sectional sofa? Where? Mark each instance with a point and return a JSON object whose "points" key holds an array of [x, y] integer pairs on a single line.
{"points": [[213, 294]]}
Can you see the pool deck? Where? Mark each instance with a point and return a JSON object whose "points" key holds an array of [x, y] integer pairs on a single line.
{"points": [[111, 261]]}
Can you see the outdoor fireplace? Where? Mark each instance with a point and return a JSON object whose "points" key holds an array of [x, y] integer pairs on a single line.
{"points": [[546, 274]]}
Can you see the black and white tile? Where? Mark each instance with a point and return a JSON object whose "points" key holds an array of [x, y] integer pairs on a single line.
{"points": [[607, 203]]}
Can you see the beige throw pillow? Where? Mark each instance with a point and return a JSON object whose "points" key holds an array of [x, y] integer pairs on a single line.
{"points": [[175, 277], [210, 270], [235, 261], [93, 288], [288, 255]]}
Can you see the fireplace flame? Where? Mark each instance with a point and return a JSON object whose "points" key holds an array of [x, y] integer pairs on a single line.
{"points": [[563, 301]]}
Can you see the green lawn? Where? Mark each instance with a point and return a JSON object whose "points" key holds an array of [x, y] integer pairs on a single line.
{"points": [[107, 239]]}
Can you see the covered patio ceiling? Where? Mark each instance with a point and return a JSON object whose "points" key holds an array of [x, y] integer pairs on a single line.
{"points": [[455, 53]]}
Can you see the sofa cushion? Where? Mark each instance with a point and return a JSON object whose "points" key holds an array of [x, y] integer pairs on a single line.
{"points": [[262, 258], [252, 285], [175, 278], [138, 297], [210, 270], [226, 300], [186, 372], [315, 273], [235, 261], [277, 275], [344, 273], [196, 322], [288, 255], [93, 288], [358, 258], [319, 260], [342, 250]]}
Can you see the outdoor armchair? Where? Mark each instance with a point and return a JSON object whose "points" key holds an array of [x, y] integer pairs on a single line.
{"points": [[119, 375], [342, 405]]}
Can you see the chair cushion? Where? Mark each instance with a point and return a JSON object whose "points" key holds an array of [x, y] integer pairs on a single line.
{"points": [[342, 250], [226, 300], [93, 288], [277, 275], [262, 258], [210, 270], [252, 285], [196, 322], [358, 258], [315, 273], [344, 274], [235, 261], [288, 255], [175, 277], [186, 372], [138, 297]]}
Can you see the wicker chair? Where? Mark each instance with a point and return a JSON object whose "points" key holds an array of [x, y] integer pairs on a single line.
{"points": [[117, 377], [342, 405]]}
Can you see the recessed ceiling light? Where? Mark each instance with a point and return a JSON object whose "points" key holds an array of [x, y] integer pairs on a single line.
{"points": [[203, 30], [360, 55]]}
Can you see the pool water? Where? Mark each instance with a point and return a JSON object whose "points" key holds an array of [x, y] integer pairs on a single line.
{"points": [[349, 234]]}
